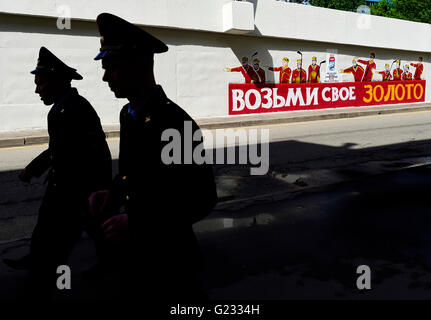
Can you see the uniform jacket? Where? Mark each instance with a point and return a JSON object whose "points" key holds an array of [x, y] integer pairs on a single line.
{"points": [[296, 76], [284, 73], [370, 66], [162, 201], [358, 72], [419, 69], [313, 73], [248, 73], [79, 163], [407, 76], [386, 76], [262, 75], [78, 156], [397, 74]]}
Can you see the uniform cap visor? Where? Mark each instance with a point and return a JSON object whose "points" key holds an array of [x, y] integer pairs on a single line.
{"points": [[106, 54], [37, 71], [73, 75]]}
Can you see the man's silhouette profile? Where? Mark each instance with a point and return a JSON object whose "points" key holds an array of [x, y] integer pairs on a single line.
{"points": [[153, 205], [79, 162]]}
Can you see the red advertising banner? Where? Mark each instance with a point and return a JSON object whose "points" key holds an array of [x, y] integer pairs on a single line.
{"points": [[261, 98]]}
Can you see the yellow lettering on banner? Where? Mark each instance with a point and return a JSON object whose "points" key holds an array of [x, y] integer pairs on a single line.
{"points": [[369, 92], [409, 90], [422, 91], [396, 92], [390, 90], [381, 93]]}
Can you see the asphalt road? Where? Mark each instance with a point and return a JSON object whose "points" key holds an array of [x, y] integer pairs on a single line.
{"points": [[308, 247], [344, 198], [301, 155]]}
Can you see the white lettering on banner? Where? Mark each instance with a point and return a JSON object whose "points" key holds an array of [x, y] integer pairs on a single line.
{"points": [[256, 103], [352, 93], [344, 94], [335, 95], [237, 96], [267, 96], [294, 97], [279, 101], [324, 91], [312, 96]]}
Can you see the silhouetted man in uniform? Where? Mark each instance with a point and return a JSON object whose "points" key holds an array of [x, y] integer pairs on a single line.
{"points": [[79, 163], [153, 203]]}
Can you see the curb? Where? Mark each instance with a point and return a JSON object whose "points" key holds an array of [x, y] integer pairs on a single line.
{"points": [[40, 139], [241, 121], [310, 115]]}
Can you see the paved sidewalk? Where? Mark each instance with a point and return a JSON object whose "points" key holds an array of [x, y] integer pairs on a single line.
{"points": [[39, 136]]}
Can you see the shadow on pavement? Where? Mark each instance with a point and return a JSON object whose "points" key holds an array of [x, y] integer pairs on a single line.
{"points": [[307, 247]]}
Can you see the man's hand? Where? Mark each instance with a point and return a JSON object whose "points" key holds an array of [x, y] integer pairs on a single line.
{"points": [[98, 202], [116, 229], [25, 175]]}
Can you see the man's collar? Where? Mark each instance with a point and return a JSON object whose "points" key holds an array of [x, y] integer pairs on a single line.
{"points": [[67, 94], [144, 109]]}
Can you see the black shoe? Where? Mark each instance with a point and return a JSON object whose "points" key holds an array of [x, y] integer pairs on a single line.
{"points": [[19, 264]]}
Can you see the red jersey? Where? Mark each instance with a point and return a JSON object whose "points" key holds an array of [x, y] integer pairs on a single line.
{"points": [[386, 76], [261, 74], [248, 73], [368, 74], [296, 74], [358, 72], [407, 76], [284, 73], [419, 69], [314, 73], [397, 74]]}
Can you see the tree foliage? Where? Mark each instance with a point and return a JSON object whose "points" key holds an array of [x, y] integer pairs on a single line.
{"points": [[347, 5], [413, 10]]}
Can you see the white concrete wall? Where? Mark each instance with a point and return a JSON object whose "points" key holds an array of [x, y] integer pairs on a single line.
{"points": [[191, 71]]}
